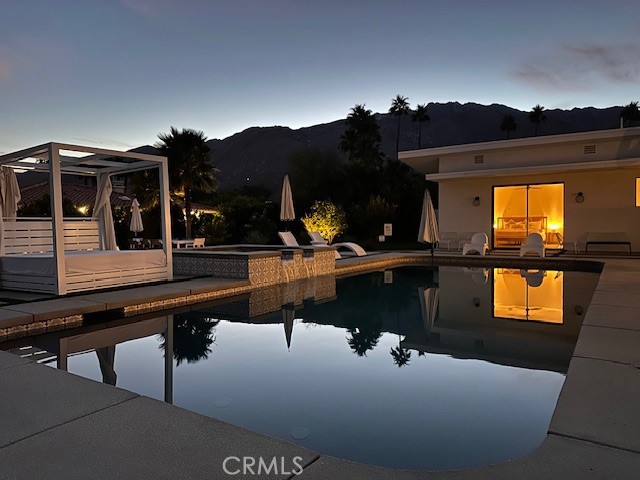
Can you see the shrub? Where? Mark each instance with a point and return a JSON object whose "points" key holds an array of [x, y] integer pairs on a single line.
{"points": [[326, 218]]}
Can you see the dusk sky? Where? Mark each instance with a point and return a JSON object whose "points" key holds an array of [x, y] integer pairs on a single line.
{"points": [[116, 73]]}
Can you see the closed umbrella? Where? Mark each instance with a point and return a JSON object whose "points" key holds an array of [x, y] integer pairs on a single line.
{"points": [[288, 315], [429, 300], [287, 212], [428, 232], [136, 218], [102, 212]]}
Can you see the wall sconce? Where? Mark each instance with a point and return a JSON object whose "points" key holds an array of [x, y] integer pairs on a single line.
{"points": [[476, 302], [579, 197], [476, 201], [578, 309]]}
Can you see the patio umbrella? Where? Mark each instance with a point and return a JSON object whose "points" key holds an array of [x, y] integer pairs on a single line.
{"points": [[428, 232], [287, 212], [288, 315], [429, 300], [136, 219], [102, 212]]}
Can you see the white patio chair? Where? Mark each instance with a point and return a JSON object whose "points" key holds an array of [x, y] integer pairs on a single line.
{"points": [[533, 244], [534, 278], [479, 243], [198, 242], [447, 239], [288, 239], [318, 240]]}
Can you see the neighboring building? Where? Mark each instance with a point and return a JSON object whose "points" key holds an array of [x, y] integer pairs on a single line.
{"points": [[563, 186]]}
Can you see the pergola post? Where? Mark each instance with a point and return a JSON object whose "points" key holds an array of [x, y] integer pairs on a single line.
{"points": [[57, 220], [165, 214]]}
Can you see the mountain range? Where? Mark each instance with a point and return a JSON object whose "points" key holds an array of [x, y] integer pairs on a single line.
{"points": [[260, 155]]}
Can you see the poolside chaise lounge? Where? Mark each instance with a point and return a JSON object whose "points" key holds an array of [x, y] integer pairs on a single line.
{"points": [[533, 244], [290, 241], [318, 240], [479, 244]]}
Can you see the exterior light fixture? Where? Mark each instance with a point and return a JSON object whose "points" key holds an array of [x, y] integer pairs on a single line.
{"points": [[578, 309], [476, 201], [476, 302], [579, 197]]}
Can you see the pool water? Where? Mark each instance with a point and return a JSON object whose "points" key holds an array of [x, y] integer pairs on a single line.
{"points": [[410, 368]]}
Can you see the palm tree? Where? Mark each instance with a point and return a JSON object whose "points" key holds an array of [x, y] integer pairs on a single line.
{"points": [[508, 124], [364, 338], [401, 356], [537, 116], [630, 113], [421, 116], [399, 108], [189, 167], [361, 138], [193, 336]]}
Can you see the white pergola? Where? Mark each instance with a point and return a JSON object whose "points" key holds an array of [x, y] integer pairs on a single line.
{"points": [[117, 268]]}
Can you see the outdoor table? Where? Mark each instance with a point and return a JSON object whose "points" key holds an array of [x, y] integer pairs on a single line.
{"points": [[182, 243]]}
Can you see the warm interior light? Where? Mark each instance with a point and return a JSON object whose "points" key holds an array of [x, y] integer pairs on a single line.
{"points": [[528, 295], [554, 227]]}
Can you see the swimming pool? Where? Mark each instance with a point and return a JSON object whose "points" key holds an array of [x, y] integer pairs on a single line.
{"points": [[409, 368]]}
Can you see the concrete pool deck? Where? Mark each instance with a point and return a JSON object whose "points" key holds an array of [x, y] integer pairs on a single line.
{"points": [[110, 433]]}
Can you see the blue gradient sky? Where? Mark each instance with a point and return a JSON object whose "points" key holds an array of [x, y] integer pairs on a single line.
{"points": [[115, 73]]}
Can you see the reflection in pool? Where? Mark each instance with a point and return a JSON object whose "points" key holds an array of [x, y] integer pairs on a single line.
{"points": [[410, 368]]}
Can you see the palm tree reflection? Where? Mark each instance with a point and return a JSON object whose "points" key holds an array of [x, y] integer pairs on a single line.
{"points": [[364, 337], [192, 337], [401, 356]]}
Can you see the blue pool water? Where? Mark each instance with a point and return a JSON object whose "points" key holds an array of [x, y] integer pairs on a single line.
{"points": [[411, 368]]}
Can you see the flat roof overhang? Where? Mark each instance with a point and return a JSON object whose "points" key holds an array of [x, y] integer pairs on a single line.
{"points": [[427, 160], [537, 170]]}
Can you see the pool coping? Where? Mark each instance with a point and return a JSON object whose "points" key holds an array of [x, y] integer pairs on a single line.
{"points": [[594, 432]]}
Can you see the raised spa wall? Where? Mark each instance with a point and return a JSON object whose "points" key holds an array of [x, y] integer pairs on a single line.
{"points": [[260, 265]]}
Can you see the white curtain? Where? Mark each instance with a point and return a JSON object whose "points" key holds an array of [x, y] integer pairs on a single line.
{"points": [[102, 212], [9, 199]]}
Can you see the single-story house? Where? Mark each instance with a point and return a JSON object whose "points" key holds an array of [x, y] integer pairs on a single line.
{"points": [[579, 189]]}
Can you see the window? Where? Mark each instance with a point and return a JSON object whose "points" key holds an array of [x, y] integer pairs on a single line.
{"points": [[637, 192], [519, 210]]}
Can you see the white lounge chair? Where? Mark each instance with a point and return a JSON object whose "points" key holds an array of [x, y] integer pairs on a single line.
{"points": [[318, 240], [533, 244], [478, 275], [288, 239], [534, 278], [479, 244]]}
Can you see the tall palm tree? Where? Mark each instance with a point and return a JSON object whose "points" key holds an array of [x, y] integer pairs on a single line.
{"points": [[399, 108], [421, 116], [630, 113], [189, 166], [537, 116], [361, 138], [508, 124]]}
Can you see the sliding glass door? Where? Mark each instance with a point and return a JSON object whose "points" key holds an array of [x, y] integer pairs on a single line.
{"points": [[519, 210]]}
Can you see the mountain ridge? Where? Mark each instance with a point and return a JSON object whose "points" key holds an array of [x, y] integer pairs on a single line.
{"points": [[260, 155]]}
